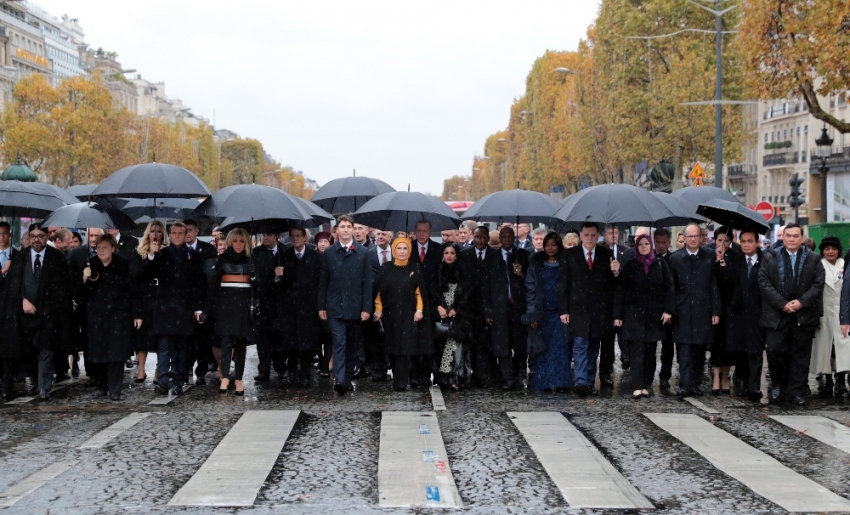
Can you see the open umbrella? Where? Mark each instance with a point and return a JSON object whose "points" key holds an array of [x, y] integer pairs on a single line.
{"points": [[81, 191], [251, 204], [514, 206], [614, 204], [400, 210], [166, 208], [698, 194], [152, 180], [89, 214], [734, 215], [680, 207], [348, 194], [28, 199]]}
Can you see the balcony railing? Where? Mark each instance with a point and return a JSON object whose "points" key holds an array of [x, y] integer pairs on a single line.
{"points": [[740, 170], [781, 158]]}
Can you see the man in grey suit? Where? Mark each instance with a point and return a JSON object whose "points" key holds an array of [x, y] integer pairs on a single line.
{"points": [[345, 298]]}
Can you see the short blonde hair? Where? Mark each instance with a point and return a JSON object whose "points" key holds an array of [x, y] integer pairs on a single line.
{"points": [[236, 233], [571, 237]]}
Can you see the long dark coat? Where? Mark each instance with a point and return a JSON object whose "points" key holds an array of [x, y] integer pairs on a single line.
{"points": [[810, 283], [642, 298], [53, 305], [267, 289], [179, 292], [300, 292], [77, 260], [397, 287], [476, 274], [433, 258], [461, 329], [588, 295], [230, 306], [496, 303], [697, 296], [111, 305], [743, 308], [345, 286], [143, 340], [127, 247]]}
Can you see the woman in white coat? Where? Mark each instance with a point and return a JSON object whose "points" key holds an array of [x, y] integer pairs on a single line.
{"points": [[831, 349]]}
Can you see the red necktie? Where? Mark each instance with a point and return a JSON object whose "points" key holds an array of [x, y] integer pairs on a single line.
{"points": [[422, 254], [590, 261], [383, 256]]}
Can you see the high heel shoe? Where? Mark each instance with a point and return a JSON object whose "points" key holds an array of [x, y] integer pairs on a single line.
{"points": [[241, 392], [636, 395], [222, 388], [726, 391], [140, 380], [715, 392]]}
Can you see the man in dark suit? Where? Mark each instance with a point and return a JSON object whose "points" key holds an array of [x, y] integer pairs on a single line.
{"points": [[178, 272], [791, 281], [377, 361], [606, 346], [698, 308], [200, 344], [127, 243], [361, 236], [36, 311], [739, 275], [345, 299], [302, 270], [268, 269], [588, 278], [474, 258], [426, 252], [78, 259], [523, 238], [663, 238], [504, 305]]}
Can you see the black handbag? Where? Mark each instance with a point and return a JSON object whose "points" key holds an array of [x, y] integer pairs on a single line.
{"points": [[442, 328]]}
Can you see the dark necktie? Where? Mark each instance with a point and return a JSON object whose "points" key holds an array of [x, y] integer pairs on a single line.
{"points": [[749, 266], [36, 267], [481, 255], [298, 255]]}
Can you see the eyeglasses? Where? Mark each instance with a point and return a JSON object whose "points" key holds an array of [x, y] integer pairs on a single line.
{"points": [[692, 236]]}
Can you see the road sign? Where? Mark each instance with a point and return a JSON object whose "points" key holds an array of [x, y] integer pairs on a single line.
{"points": [[697, 182], [765, 209], [697, 173]]}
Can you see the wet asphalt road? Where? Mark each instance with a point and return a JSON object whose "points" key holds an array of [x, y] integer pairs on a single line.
{"points": [[329, 464]]}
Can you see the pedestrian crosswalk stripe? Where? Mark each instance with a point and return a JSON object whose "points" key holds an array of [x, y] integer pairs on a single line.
{"points": [[755, 469], [582, 474], [28, 485], [821, 429], [698, 404], [166, 399], [102, 438], [239, 465], [413, 467], [437, 399]]}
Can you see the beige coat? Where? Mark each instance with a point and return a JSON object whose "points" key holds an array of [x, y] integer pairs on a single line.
{"points": [[830, 328]]}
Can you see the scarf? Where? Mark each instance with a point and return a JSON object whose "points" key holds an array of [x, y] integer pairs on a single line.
{"points": [[394, 244], [646, 260]]}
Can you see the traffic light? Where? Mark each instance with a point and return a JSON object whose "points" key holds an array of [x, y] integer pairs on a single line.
{"points": [[795, 198]]}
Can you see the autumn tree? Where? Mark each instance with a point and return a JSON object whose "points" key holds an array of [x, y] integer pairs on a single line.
{"points": [[798, 48]]}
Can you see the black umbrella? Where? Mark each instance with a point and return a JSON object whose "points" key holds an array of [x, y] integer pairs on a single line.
{"points": [[734, 215], [514, 206], [271, 225], [319, 215], [680, 207], [400, 210], [698, 194], [614, 204], [167, 208], [348, 194], [89, 214], [152, 180], [252, 203], [81, 191], [28, 199]]}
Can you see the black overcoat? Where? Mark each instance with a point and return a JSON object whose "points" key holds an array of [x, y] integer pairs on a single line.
{"points": [[642, 298], [743, 307], [461, 327], [300, 293], [111, 305], [476, 273], [697, 296], [179, 291], [267, 289], [433, 258], [495, 301], [588, 295], [53, 305], [78, 259], [230, 307], [810, 283], [397, 287], [345, 286], [127, 247]]}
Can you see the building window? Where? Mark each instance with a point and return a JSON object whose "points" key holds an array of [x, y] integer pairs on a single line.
{"points": [[798, 131], [806, 129], [765, 137]]}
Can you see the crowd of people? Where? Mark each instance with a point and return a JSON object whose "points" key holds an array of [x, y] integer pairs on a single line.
{"points": [[513, 307]]}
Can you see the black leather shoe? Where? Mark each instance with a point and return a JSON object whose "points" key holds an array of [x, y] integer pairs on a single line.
{"points": [[774, 395], [290, 378], [115, 398], [414, 384], [755, 396], [606, 382], [44, 397], [349, 387], [682, 392], [62, 377], [128, 363], [200, 381], [696, 392], [340, 389], [261, 378], [159, 390], [798, 401], [510, 384], [359, 373], [324, 373], [177, 390], [627, 364], [91, 383], [580, 390], [592, 391], [305, 383], [665, 384]]}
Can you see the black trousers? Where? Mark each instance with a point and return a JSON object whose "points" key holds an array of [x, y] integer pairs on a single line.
{"points": [[268, 344], [517, 362], [299, 363], [482, 358], [377, 360], [607, 355], [755, 362], [643, 363], [325, 351], [668, 351], [788, 353], [401, 371], [111, 377], [61, 363], [238, 347], [691, 362]]}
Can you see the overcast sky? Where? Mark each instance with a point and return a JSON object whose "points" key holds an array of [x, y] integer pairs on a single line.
{"points": [[399, 90]]}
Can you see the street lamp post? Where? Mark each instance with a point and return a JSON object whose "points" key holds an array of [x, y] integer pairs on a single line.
{"points": [[824, 143]]}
